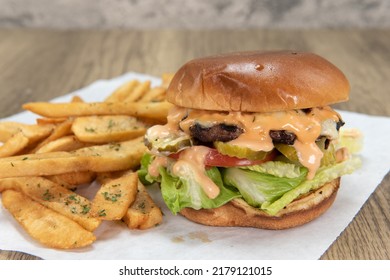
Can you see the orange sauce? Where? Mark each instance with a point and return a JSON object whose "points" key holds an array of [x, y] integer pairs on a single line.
{"points": [[193, 159], [155, 165], [306, 126], [176, 114]]}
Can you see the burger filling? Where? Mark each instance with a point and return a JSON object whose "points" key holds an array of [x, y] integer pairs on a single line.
{"points": [[204, 159]]}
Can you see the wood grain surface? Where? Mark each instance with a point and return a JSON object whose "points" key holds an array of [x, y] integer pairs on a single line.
{"points": [[38, 65]]}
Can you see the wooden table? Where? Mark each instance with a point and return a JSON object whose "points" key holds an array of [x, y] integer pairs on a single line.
{"points": [[38, 65]]}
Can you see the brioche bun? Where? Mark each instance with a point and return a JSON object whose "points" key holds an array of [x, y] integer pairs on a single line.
{"points": [[238, 213], [258, 82]]}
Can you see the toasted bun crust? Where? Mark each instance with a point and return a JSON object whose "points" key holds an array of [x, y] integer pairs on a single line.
{"points": [[238, 213], [258, 82]]}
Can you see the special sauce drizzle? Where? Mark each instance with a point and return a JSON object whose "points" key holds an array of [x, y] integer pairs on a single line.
{"points": [[306, 127], [193, 158], [176, 114], [155, 165]]}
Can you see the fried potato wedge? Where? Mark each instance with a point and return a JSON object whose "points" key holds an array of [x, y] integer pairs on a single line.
{"points": [[104, 177], [151, 110], [73, 179], [115, 196], [61, 129], [64, 144], [77, 143], [6, 184], [32, 132], [106, 129], [143, 213], [46, 121], [8, 129], [103, 158], [55, 197], [13, 145], [45, 225]]}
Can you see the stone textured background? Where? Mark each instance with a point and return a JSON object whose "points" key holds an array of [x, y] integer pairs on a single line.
{"points": [[151, 14]]}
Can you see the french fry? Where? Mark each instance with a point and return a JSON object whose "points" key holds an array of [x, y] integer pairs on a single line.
{"points": [[166, 79], [13, 145], [76, 98], [55, 197], [32, 132], [46, 121], [153, 95], [104, 177], [73, 179], [37, 132], [73, 144], [122, 92], [59, 131], [63, 144], [6, 184], [45, 225], [103, 158], [138, 91], [106, 129], [143, 213], [8, 129], [114, 197], [151, 110]]}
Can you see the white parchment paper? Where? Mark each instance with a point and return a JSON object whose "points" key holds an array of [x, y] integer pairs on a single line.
{"points": [[178, 238]]}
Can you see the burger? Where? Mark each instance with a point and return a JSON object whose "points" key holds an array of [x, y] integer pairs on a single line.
{"points": [[251, 140]]}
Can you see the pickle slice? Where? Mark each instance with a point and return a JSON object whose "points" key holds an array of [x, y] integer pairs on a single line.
{"points": [[291, 154], [288, 151], [329, 156], [239, 152], [171, 144], [321, 143]]}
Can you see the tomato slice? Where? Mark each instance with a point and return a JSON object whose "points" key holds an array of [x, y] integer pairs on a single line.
{"points": [[214, 158]]}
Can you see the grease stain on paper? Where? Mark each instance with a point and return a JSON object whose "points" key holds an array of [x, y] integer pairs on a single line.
{"points": [[195, 235], [177, 239]]}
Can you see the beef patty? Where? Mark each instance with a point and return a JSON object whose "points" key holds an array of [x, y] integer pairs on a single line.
{"points": [[227, 132]]}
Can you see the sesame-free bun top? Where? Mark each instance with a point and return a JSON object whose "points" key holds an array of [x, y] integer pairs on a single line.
{"points": [[258, 82]]}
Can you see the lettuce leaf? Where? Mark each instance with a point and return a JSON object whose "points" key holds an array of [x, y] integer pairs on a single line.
{"points": [[185, 191], [257, 187], [278, 169], [269, 186], [143, 173], [352, 139], [323, 175]]}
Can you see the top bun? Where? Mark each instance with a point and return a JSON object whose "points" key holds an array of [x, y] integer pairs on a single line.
{"points": [[258, 82]]}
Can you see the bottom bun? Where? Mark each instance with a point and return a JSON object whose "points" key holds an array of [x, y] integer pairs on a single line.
{"points": [[237, 213]]}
